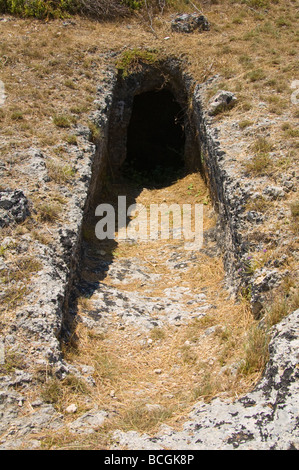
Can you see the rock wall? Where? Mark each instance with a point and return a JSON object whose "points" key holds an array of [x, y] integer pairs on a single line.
{"points": [[228, 193]]}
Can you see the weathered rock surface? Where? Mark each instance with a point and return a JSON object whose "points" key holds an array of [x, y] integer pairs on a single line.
{"points": [[89, 422], [36, 167], [187, 23], [265, 419], [16, 424], [14, 207], [222, 101], [176, 305]]}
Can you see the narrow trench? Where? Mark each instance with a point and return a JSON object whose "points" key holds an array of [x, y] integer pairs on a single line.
{"points": [[152, 316]]}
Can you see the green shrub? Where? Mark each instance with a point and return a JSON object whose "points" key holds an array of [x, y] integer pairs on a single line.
{"points": [[256, 75], [295, 208], [245, 123], [256, 3], [133, 4], [17, 116], [36, 8], [60, 173], [262, 145], [61, 120], [96, 9], [48, 212], [256, 351]]}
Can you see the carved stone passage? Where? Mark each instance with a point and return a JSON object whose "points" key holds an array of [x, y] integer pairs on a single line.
{"points": [[156, 135], [265, 418], [153, 102]]}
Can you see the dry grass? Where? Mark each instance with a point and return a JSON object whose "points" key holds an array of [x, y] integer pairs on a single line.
{"points": [[67, 81], [15, 279], [254, 36], [60, 173], [193, 367]]}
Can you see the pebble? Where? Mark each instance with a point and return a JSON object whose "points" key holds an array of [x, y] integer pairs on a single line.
{"points": [[152, 408], [71, 409]]}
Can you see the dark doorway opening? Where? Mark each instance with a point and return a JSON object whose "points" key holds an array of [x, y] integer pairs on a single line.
{"points": [[155, 139]]}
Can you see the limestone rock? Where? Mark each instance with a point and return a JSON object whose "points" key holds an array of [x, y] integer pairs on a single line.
{"points": [[71, 409], [187, 23], [89, 422], [13, 207], [263, 281], [221, 101], [13, 423], [273, 192], [37, 165]]}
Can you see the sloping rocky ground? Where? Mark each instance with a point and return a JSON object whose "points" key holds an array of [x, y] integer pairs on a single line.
{"points": [[249, 230], [264, 419]]}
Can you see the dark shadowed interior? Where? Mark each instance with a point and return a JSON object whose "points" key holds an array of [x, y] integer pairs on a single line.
{"points": [[156, 137]]}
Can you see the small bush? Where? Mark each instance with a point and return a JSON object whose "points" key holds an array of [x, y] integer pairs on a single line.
{"points": [[245, 123], [262, 145], [259, 164], [281, 22], [134, 4], [48, 212], [57, 391], [259, 204], [36, 8], [52, 392], [256, 351], [277, 312], [95, 9], [60, 173], [61, 120], [17, 116], [256, 75], [71, 139], [157, 334], [295, 209], [95, 132]]}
